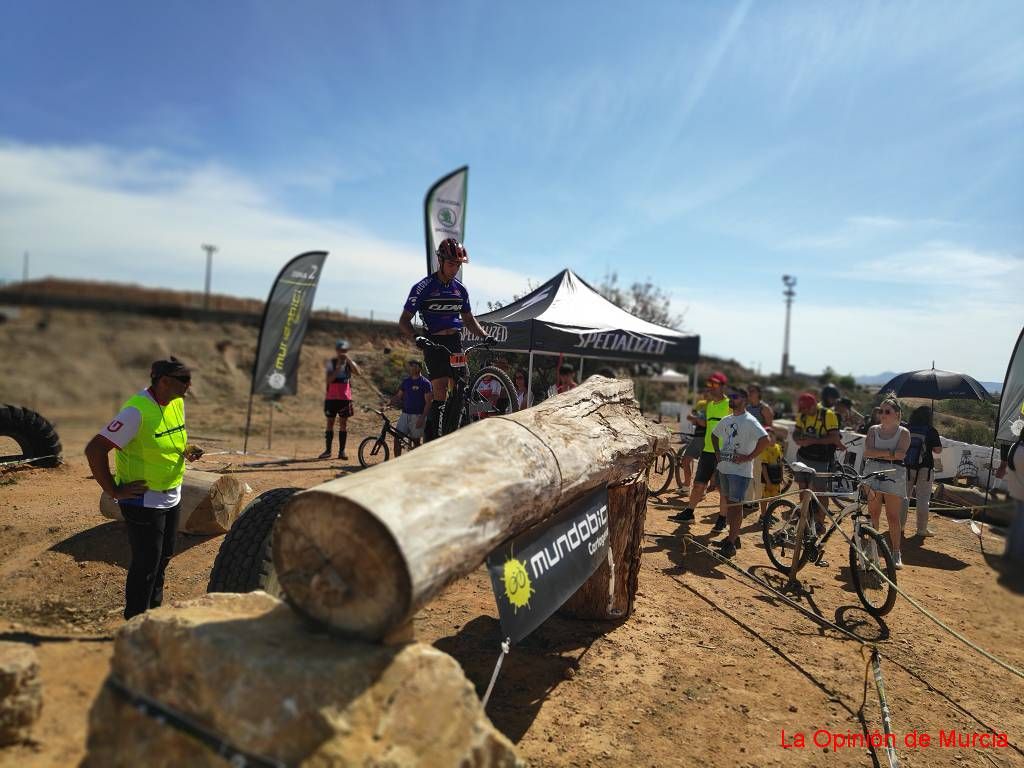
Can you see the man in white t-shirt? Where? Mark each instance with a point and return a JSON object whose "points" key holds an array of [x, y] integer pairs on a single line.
{"points": [[737, 439], [151, 447]]}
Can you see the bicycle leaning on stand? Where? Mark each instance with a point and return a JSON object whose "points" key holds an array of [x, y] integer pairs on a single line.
{"points": [[489, 392], [792, 540], [375, 450]]}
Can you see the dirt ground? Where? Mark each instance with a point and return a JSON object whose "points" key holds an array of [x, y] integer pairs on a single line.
{"points": [[707, 670]]}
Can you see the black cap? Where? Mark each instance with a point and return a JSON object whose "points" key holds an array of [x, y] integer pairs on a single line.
{"points": [[172, 366]]}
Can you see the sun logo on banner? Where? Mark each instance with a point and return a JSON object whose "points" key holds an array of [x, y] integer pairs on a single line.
{"points": [[518, 588]]}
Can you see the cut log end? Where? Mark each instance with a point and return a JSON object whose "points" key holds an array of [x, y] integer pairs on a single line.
{"points": [[339, 565]]}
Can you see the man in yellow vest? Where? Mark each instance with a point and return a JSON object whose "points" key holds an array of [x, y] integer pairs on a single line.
{"points": [[152, 446], [717, 408]]}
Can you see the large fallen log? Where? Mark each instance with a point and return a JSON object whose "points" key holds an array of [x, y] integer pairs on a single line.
{"points": [[363, 553], [210, 503]]}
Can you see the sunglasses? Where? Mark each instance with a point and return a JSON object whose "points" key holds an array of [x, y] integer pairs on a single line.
{"points": [[182, 379], [736, 397]]}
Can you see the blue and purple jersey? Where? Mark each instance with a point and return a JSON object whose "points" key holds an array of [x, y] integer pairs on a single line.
{"points": [[441, 306]]}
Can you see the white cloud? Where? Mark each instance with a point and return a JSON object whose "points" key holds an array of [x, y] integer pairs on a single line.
{"points": [[859, 230], [93, 212], [948, 264]]}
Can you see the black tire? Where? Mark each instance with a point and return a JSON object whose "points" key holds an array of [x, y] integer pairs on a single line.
{"points": [[372, 451], [35, 436], [453, 414], [661, 471], [480, 407], [244, 562], [787, 477], [877, 595], [778, 532]]}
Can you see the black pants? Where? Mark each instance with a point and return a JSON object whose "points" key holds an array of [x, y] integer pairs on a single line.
{"points": [[151, 533]]}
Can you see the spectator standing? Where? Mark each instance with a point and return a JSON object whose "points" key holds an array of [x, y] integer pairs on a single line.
{"points": [[849, 417], [830, 396], [565, 380], [522, 394], [716, 409], [817, 435], [761, 411], [771, 468], [338, 398], [415, 395], [152, 446], [920, 463], [738, 439], [884, 449], [695, 447]]}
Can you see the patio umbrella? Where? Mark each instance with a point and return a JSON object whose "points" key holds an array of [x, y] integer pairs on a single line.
{"points": [[936, 384]]}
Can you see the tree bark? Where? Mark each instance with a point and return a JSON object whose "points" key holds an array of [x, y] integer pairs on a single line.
{"points": [[210, 503], [610, 592], [364, 552]]}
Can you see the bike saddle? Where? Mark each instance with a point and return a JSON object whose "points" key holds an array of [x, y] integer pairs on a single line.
{"points": [[799, 468]]}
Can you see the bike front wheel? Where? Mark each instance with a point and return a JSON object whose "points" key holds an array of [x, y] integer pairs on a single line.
{"points": [[491, 393], [869, 555], [778, 532], [662, 470], [787, 477], [372, 451]]}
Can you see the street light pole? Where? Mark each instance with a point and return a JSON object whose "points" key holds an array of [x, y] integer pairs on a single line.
{"points": [[210, 250], [789, 281]]}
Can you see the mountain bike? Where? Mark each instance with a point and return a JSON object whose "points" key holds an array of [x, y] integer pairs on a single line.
{"points": [[489, 392], [792, 540], [375, 450]]}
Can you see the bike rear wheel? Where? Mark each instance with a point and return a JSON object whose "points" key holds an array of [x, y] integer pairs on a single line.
{"points": [[778, 532], [661, 472], [869, 548], [373, 450]]}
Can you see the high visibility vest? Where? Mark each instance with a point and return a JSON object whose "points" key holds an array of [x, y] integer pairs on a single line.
{"points": [[715, 411], [156, 453]]}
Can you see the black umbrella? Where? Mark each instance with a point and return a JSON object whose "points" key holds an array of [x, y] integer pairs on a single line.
{"points": [[935, 384]]}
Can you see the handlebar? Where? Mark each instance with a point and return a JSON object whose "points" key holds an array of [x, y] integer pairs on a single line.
{"points": [[423, 342]]}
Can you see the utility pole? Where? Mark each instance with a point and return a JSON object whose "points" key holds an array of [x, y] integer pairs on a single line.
{"points": [[789, 281], [24, 268], [210, 250]]}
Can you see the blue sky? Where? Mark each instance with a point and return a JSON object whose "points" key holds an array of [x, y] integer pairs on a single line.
{"points": [[874, 150]]}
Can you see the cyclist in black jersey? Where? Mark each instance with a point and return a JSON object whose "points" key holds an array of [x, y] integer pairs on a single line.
{"points": [[443, 304]]}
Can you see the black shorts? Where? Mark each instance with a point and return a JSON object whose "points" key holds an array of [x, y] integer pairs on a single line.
{"points": [[705, 468], [438, 364], [341, 408]]}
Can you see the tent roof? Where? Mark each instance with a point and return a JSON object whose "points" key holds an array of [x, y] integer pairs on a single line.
{"points": [[569, 301], [568, 315]]}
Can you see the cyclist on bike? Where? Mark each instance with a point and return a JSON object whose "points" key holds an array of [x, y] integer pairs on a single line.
{"points": [[443, 304]]}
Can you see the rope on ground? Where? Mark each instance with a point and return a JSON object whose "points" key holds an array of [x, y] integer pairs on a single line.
{"points": [[19, 462], [807, 612], [506, 646], [890, 738], [164, 715]]}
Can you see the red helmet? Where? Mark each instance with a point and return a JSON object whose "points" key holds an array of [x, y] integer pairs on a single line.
{"points": [[452, 250]]}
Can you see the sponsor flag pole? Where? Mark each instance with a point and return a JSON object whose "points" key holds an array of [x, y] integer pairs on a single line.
{"points": [[282, 329], [444, 213]]}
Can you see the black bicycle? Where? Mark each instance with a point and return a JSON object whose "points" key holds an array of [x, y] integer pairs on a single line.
{"points": [[375, 450], [489, 392], [791, 539]]}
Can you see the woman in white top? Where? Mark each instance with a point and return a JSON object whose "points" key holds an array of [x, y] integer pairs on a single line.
{"points": [[521, 394], [884, 448]]}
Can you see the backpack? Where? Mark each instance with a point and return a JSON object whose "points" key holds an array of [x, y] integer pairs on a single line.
{"points": [[915, 457]]}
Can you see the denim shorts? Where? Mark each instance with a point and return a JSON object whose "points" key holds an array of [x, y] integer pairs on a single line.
{"points": [[733, 487]]}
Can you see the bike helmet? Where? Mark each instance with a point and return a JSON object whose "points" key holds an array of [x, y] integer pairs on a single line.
{"points": [[829, 394], [452, 250], [341, 344]]}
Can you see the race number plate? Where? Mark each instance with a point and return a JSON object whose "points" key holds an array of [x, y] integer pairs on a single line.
{"points": [[457, 360]]}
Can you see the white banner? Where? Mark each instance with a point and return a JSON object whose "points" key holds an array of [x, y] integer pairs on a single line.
{"points": [[444, 213]]}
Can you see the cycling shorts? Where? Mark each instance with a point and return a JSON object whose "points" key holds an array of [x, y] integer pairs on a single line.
{"points": [[438, 364], [341, 408]]}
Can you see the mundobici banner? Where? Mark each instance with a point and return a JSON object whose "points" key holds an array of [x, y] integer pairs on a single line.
{"points": [[536, 572], [285, 318]]}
